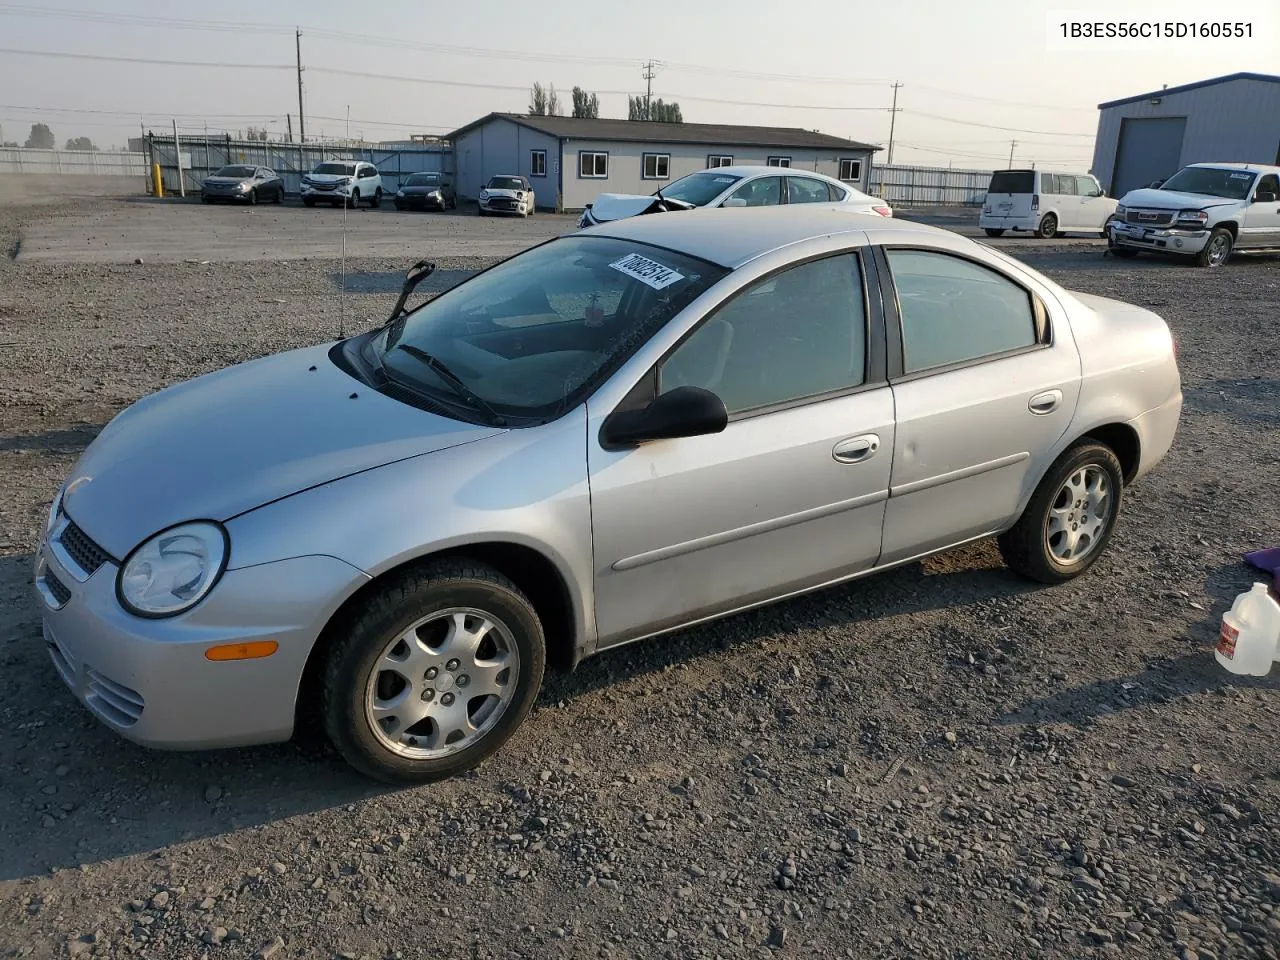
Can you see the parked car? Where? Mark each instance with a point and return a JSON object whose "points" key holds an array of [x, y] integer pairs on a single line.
{"points": [[507, 194], [242, 182], [734, 186], [1045, 203], [426, 191], [340, 182], [606, 437], [1205, 212]]}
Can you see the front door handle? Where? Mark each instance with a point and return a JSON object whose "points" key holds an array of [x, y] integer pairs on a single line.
{"points": [[1046, 402], [856, 449]]}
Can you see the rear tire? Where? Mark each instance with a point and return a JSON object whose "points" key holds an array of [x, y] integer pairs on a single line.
{"points": [[389, 706], [376, 202], [1218, 250], [1048, 227], [993, 232], [1069, 520]]}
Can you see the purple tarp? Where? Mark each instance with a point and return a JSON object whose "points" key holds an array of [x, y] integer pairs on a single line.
{"points": [[1268, 560]]}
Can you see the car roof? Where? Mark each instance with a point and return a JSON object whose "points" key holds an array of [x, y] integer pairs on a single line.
{"points": [[730, 238], [1233, 165], [753, 170]]}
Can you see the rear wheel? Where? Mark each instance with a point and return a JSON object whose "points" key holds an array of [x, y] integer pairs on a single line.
{"points": [[433, 673], [1070, 517], [1218, 250], [994, 232], [377, 199], [1048, 228]]}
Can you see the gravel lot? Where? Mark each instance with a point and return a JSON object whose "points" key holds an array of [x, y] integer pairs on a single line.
{"points": [[943, 761]]}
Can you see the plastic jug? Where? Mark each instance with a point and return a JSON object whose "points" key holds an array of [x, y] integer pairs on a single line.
{"points": [[1250, 638]]}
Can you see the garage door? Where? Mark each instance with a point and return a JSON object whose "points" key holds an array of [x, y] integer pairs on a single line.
{"points": [[1149, 149]]}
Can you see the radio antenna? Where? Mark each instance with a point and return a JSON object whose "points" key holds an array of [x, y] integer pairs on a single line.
{"points": [[342, 295]]}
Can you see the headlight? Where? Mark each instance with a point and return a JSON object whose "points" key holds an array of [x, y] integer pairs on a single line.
{"points": [[53, 512], [174, 570], [1193, 216], [242, 187], [1121, 210], [484, 194]]}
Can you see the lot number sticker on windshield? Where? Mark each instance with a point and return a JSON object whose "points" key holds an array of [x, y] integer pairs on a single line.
{"points": [[1240, 176], [649, 272]]}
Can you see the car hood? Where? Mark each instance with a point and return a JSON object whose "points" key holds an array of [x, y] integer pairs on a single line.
{"points": [[421, 188], [227, 442], [619, 206], [328, 177], [495, 192], [1167, 200], [225, 181]]}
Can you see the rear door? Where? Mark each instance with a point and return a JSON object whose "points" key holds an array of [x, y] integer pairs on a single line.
{"points": [[807, 190], [1058, 194], [985, 380], [1009, 193]]}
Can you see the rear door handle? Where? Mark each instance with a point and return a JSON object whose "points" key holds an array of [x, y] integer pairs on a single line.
{"points": [[1046, 402], [856, 449]]}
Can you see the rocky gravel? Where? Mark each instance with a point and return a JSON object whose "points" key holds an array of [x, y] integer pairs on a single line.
{"points": [[940, 762]]}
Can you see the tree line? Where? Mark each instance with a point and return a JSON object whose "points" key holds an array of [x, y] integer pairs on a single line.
{"points": [[42, 138], [545, 102]]}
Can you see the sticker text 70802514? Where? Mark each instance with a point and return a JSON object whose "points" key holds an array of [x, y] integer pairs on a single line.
{"points": [[649, 272]]}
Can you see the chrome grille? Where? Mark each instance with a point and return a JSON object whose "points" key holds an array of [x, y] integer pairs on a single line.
{"points": [[61, 592], [1149, 218], [86, 554], [112, 701]]}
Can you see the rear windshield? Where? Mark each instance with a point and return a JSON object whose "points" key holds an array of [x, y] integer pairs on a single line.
{"points": [[1013, 181], [339, 169]]}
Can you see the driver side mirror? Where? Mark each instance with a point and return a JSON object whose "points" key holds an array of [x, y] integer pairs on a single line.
{"points": [[1264, 196], [1157, 184], [735, 202], [682, 412]]}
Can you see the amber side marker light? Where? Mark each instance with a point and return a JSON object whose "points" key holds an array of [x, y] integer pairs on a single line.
{"points": [[242, 651]]}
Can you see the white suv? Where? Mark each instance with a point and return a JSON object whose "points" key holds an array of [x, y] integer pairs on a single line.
{"points": [[1044, 203], [1206, 211], [342, 182]]}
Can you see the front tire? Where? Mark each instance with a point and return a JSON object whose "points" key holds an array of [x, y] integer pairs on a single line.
{"points": [[253, 198], [376, 202], [1048, 228], [1070, 517], [993, 232], [1218, 250], [394, 680]]}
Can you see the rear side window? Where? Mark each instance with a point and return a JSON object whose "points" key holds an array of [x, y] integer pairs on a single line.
{"points": [[1013, 181], [953, 310], [804, 190]]}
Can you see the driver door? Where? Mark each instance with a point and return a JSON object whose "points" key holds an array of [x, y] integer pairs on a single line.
{"points": [[789, 496], [1260, 225]]}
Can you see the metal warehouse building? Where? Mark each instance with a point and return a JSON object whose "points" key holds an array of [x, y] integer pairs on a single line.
{"points": [[1151, 136], [570, 160]]}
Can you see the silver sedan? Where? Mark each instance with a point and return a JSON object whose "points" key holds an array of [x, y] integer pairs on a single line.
{"points": [[607, 437]]}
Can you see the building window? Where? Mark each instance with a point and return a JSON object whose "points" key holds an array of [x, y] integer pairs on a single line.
{"points": [[850, 170], [593, 165], [779, 161], [655, 166], [538, 163], [719, 160]]}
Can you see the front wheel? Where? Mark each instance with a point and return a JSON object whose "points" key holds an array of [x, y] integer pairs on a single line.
{"points": [[253, 198], [433, 673], [377, 199], [1218, 250], [1070, 517], [994, 232], [354, 200], [1048, 228]]}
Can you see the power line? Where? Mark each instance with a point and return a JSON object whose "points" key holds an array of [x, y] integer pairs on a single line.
{"points": [[147, 60], [989, 126]]}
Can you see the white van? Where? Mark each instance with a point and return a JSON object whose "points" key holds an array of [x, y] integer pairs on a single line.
{"points": [[1045, 203]]}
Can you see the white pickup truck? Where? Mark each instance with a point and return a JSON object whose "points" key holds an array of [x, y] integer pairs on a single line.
{"points": [[1205, 211]]}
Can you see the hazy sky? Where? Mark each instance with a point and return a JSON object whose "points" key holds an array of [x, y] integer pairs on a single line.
{"points": [[969, 69]]}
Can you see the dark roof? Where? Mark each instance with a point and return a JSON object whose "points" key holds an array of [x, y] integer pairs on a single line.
{"points": [[1264, 77], [651, 131]]}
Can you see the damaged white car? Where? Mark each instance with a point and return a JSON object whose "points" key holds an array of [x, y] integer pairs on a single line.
{"points": [[740, 186]]}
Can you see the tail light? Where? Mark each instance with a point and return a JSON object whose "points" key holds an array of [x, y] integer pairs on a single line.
{"points": [[883, 211], [1035, 201]]}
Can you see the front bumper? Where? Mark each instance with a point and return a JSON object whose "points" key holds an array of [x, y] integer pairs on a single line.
{"points": [[149, 681], [419, 201], [320, 193], [223, 193], [503, 205], [1167, 239]]}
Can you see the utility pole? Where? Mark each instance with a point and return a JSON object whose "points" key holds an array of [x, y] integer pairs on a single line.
{"points": [[302, 123], [648, 74], [893, 116], [288, 119], [1012, 144], [177, 156]]}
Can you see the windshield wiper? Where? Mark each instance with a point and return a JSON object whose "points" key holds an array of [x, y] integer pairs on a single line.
{"points": [[452, 379]]}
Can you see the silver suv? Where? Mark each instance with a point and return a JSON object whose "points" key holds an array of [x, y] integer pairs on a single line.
{"points": [[1205, 211]]}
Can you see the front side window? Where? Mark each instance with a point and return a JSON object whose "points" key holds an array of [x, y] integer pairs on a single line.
{"points": [[796, 334], [1269, 184], [719, 160], [763, 192], [656, 166], [806, 190], [593, 165], [1088, 187], [779, 161], [531, 336], [700, 189], [851, 170], [1211, 182], [953, 310], [538, 163]]}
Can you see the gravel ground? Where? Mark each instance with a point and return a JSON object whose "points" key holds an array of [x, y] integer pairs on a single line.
{"points": [[943, 761]]}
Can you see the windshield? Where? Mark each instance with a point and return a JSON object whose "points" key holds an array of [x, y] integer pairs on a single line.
{"points": [[235, 171], [1211, 181], [505, 183], [531, 336], [338, 169], [1013, 181], [423, 180], [700, 189]]}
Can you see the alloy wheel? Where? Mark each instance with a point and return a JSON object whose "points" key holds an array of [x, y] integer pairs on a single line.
{"points": [[1079, 515]]}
